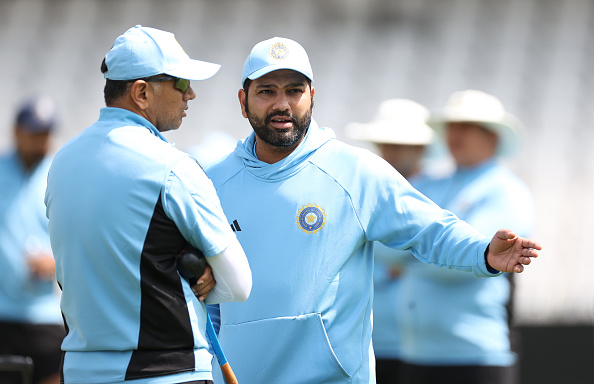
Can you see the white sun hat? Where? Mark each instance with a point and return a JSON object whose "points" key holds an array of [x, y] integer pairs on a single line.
{"points": [[486, 110], [398, 121]]}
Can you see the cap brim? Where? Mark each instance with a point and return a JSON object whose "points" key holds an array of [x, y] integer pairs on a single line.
{"points": [[385, 133], [195, 70], [271, 68], [509, 131]]}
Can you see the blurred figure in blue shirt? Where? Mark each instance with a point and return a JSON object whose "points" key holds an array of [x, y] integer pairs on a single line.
{"points": [[456, 328], [401, 135], [30, 320]]}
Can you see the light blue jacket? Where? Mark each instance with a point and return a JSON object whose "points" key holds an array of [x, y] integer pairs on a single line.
{"points": [[24, 298], [122, 202], [308, 224], [451, 318]]}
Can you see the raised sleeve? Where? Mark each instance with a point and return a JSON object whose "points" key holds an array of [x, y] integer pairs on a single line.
{"points": [[397, 215]]}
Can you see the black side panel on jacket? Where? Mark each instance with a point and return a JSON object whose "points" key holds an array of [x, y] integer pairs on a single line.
{"points": [[166, 343]]}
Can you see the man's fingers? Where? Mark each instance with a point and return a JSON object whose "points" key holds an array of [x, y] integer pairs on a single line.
{"points": [[525, 260], [205, 291], [531, 244], [202, 287], [530, 252], [518, 268], [202, 294], [205, 284], [505, 234]]}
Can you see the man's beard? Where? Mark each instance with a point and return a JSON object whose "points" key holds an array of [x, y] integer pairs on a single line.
{"points": [[284, 138]]}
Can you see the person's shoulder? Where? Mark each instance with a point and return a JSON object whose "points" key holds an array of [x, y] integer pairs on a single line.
{"points": [[425, 179], [7, 156], [351, 165], [337, 152], [45, 164], [224, 169], [507, 179]]}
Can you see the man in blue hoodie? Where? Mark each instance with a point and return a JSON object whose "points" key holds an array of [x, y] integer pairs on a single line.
{"points": [[307, 209]]}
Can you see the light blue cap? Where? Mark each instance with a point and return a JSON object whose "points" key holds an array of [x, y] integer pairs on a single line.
{"points": [[142, 52], [274, 54]]}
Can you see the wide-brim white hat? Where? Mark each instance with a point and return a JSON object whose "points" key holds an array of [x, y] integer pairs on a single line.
{"points": [[398, 121], [486, 110]]}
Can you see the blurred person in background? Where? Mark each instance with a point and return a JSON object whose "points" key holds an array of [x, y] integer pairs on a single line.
{"points": [[456, 328], [401, 135], [30, 320]]}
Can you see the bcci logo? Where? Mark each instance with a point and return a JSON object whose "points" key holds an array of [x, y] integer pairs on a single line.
{"points": [[279, 51], [311, 218]]}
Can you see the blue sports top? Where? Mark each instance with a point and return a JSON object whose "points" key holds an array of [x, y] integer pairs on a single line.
{"points": [[386, 335], [450, 318], [23, 229], [122, 202], [307, 224]]}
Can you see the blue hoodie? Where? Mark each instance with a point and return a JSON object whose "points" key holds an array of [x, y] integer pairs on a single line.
{"points": [[307, 224]]}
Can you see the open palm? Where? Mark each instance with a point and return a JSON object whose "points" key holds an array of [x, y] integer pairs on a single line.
{"points": [[509, 252]]}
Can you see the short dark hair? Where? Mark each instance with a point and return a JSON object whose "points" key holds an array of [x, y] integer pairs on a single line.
{"points": [[246, 85], [114, 89]]}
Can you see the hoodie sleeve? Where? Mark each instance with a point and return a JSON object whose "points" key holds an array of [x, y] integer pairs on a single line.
{"points": [[392, 212]]}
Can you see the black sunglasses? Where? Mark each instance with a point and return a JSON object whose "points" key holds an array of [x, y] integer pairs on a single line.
{"points": [[181, 84]]}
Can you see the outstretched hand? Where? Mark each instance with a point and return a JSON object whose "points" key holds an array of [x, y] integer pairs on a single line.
{"points": [[509, 252]]}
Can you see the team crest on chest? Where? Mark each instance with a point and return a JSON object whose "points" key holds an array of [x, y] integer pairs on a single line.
{"points": [[311, 218]]}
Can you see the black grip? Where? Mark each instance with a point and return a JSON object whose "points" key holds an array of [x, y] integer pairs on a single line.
{"points": [[191, 263]]}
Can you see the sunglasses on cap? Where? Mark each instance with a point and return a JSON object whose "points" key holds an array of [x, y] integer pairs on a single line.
{"points": [[181, 84]]}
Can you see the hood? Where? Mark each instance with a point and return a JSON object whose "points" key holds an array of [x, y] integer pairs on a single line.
{"points": [[314, 139]]}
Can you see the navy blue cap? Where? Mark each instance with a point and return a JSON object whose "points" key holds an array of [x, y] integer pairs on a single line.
{"points": [[37, 115]]}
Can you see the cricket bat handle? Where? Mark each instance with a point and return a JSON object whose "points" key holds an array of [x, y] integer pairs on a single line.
{"points": [[228, 374]]}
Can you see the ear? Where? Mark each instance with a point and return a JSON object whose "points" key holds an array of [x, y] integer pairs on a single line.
{"points": [[242, 97], [313, 92], [141, 94]]}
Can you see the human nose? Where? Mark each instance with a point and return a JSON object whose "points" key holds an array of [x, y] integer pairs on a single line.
{"points": [[190, 94], [281, 103]]}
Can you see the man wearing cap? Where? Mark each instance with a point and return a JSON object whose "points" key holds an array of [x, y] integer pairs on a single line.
{"points": [[455, 328], [122, 203], [30, 320], [307, 210], [401, 135]]}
